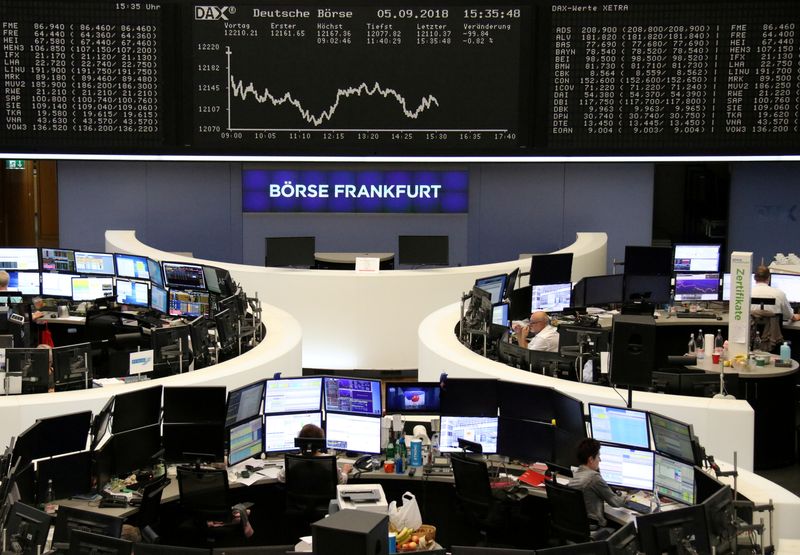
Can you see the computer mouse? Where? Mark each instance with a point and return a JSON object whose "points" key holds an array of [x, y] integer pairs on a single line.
{"points": [[244, 474]]}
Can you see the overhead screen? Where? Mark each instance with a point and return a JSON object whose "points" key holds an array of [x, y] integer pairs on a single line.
{"points": [[519, 78]]}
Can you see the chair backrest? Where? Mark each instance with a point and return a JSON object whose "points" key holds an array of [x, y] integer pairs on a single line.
{"points": [[769, 325], [204, 492], [310, 482], [471, 478], [151, 502], [568, 517]]}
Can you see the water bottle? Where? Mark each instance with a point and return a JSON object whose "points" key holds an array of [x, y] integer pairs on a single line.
{"points": [[719, 342], [786, 352], [692, 345], [390, 448], [699, 346], [398, 456]]}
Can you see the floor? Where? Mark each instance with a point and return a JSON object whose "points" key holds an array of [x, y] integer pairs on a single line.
{"points": [[787, 477]]}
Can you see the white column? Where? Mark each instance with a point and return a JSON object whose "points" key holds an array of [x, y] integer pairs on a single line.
{"points": [[739, 311]]}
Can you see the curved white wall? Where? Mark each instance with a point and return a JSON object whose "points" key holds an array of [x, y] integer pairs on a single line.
{"points": [[365, 321]]}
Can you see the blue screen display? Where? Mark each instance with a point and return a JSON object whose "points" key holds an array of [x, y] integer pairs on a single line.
{"points": [[619, 425]]}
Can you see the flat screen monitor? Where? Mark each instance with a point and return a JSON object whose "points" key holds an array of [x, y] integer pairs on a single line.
{"points": [[27, 283], [159, 300], [353, 432], [478, 429], [27, 527], [620, 426], [554, 297], [624, 541], [525, 440], [674, 479], [136, 409], [696, 287], [133, 293], [245, 403], [245, 440], [99, 263], [188, 303], [551, 268], [696, 258], [92, 288], [413, 398], [721, 520], [192, 442], [466, 397], [171, 349], [212, 280], [603, 290], [57, 285], [132, 266], [705, 485], [352, 395], [655, 289], [135, 449], [648, 261], [725, 294], [194, 404], [226, 336], [72, 367], [789, 284], [27, 445], [63, 434], [494, 285], [500, 314], [674, 531], [511, 282], [520, 303], [525, 401], [19, 259], [58, 260], [86, 543], [424, 250], [100, 423], [627, 468], [672, 437], [183, 275], [70, 518], [281, 429], [201, 342], [156, 275], [33, 365], [569, 414], [291, 252], [293, 395]]}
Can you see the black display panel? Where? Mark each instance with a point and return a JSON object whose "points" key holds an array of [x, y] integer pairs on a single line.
{"points": [[466, 397]]}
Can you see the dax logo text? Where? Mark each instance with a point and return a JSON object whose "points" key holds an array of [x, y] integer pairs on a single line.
{"points": [[213, 13]]}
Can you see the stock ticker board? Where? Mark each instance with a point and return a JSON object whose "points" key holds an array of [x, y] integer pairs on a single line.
{"points": [[447, 78]]}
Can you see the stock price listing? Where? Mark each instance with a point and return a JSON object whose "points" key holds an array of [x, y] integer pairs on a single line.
{"points": [[359, 79]]}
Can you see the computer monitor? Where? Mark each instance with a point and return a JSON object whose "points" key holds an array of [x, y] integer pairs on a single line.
{"points": [[500, 314], [193, 442], [551, 268], [726, 286], [413, 397], [525, 401], [624, 541], [353, 432], [70, 519], [705, 485], [155, 272], [280, 430], [57, 285], [648, 261], [19, 258], [99, 263], [245, 402], [86, 543], [188, 303], [494, 285], [171, 349], [92, 288], [226, 334], [656, 289], [72, 367], [603, 290], [136, 449], [136, 409], [201, 341], [511, 282], [674, 479], [101, 421], [27, 445], [696, 287], [58, 260], [294, 395], [27, 527], [569, 413], [721, 519], [245, 440], [520, 303], [133, 293], [627, 468], [27, 283], [696, 258], [677, 531], [469, 397], [132, 266], [34, 367], [423, 250], [352, 395], [620, 426], [554, 297], [159, 300], [194, 404], [293, 252], [789, 284], [182, 275], [479, 429], [58, 435], [672, 437], [525, 440], [212, 280]]}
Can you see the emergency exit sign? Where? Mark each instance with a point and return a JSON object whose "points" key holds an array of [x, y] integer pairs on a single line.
{"points": [[15, 164]]}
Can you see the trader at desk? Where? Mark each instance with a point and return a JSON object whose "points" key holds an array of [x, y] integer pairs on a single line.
{"points": [[545, 336], [588, 479], [763, 290]]}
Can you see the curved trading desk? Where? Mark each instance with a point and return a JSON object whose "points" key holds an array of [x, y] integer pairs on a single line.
{"points": [[365, 320], [280, 351]]}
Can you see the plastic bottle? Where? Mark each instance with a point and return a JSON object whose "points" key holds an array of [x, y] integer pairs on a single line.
{"points": [[719, 342], [692, 345], [786, 352], [699, 350], [398, 457], [390, 448]]}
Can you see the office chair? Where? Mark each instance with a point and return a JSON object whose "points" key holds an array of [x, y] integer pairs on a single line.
{"points": [[483, 508], [568, 519], [147, 517], [310, 485], [770, 325], [203, 500]]}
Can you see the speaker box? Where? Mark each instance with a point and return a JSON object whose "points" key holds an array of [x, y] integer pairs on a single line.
{"points": [[351, 532], [633, 341]]}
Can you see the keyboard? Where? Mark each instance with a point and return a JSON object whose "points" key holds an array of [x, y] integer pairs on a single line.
{"points": [[639, 503], [704, 315]]}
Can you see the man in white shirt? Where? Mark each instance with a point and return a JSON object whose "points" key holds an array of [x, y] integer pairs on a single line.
{"points": [[545, 338], [763, 290]]}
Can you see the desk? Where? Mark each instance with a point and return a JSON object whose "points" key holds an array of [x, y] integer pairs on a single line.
{"points": [[347, 260]]}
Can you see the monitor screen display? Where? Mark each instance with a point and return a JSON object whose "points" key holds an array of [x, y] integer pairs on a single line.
{"points": [[551, 298], [188, 303], [551, 268], [94, 263], [57, 285], [245, 441], [604, 290], [421, 250], [131, 266], [212, 279], [353, 396], [159, 299], [133, 293], [409, 397], [58, 260], [183, 276], [500, 314], [282, 429], [351, 432], [696, 258], [91, 288], [674, 479], [696, 287], [526, 401], [789, 284], [154, 269], [619, 425], [468, 397], [27, 283], [136, 409], [627, 468], [244, 403], [494, 285], [672, 437], [194, 404], [648, 261], [655, 289], [726, 286], [526, 440], [293, 395], [479, 429], [295, 252], [19, 259]]}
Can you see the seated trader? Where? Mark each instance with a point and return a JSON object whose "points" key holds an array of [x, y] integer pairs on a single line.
{"points": [[763, 290], [4, 279], [545, 338], [313, 431], [588, 479]]}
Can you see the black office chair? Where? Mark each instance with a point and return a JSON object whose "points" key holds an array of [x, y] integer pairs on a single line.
{"points": [[148, 516], [310, 485], [568, 519], [204, 500], [483, 508], [770, 326]]}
